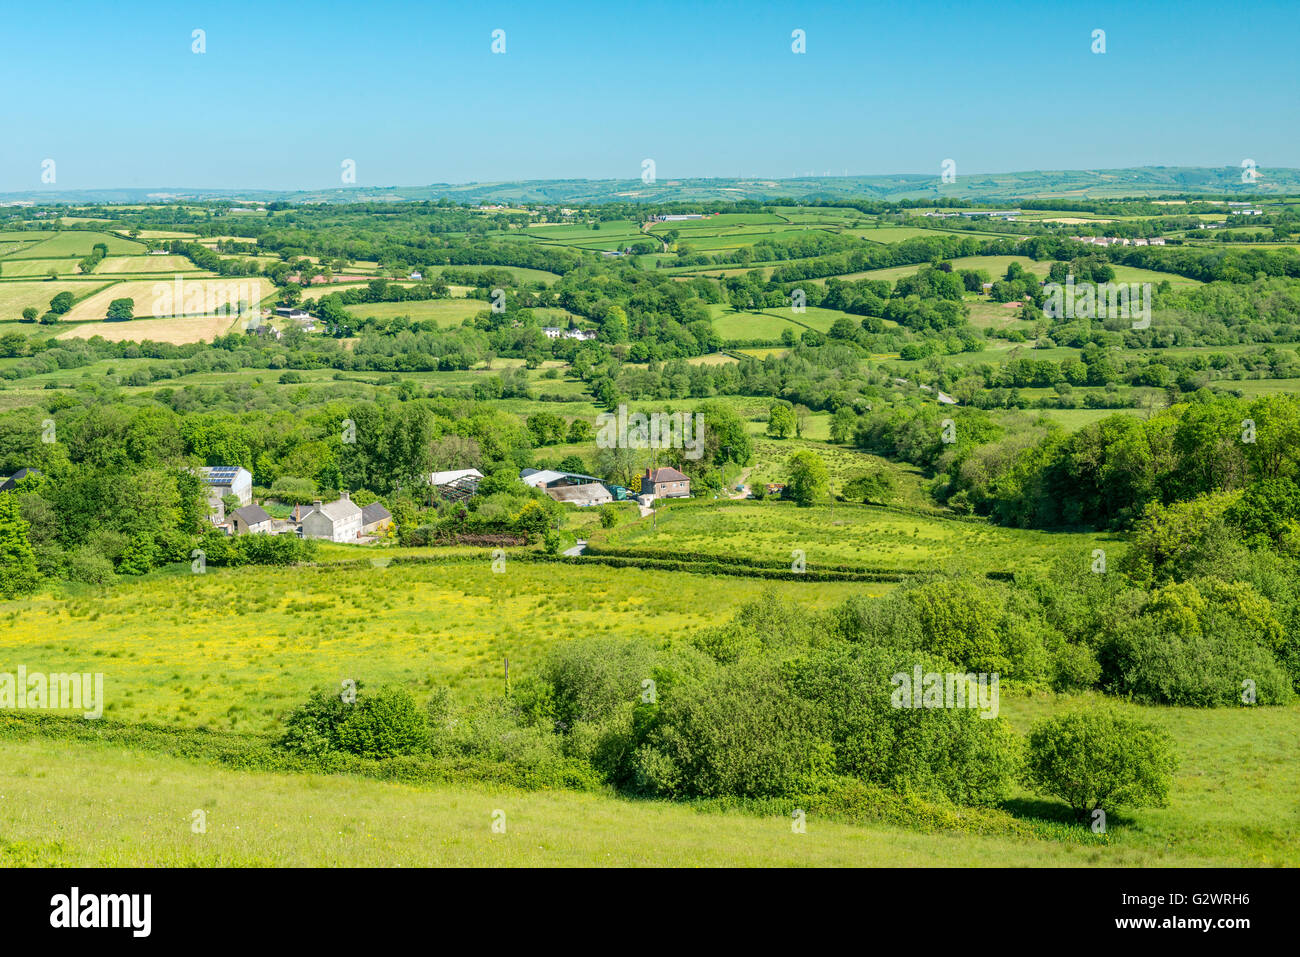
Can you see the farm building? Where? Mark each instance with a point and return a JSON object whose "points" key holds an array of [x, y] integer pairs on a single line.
{"points": [[249, 520], [561, 485], [375, 519], [589, 494], [446, 478], [665, 483], [458, 485], [291, 312], [223, 480], [555, 332], [338, 521], [11, 483]]}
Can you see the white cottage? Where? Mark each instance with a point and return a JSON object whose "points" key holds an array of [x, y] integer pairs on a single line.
{"points": [[336, 521]]}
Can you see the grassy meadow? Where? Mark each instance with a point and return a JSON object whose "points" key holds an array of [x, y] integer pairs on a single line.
{"points": [[237, 648]]}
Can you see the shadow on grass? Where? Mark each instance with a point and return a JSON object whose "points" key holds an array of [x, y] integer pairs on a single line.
{"points": [[1040, 811]]}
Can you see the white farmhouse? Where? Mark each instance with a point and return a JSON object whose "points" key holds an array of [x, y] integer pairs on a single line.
{"points": [[335, 521]]}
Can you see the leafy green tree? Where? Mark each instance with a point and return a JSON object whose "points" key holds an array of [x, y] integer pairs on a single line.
{"points": [[61, 303], [843, 422], [18, 573], [781, 421], [809, 480], [1100, 759], [121, 310]]}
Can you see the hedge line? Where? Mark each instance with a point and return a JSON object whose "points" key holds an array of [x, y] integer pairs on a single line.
{"points": [[660, 554], [717, 568], [247, 752]]}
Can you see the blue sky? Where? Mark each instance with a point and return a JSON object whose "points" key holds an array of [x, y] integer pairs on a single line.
{"points": [[413, 94]]}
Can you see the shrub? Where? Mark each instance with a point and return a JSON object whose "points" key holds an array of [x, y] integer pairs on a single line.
{"points": [[741, 733], [952, 753], [1100, 759], [590, 678], [383, 725], [1195, 644], [380, 725], [89, 567]]}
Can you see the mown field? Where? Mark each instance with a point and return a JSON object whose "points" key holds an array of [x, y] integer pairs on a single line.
{"points": [[445, 312], [854, 535]]}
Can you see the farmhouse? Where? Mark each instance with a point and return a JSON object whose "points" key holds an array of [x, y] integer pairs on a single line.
{"points": [[665, 483], [250, 520], [555, 332], [338, 521], [375, 519], [290, 312]]}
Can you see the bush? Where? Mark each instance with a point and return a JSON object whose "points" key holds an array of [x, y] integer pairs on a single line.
{"points": [[1195, 644], [380, 725], [740, 733], [953, 753], [1100, 759], [89, 567], [589, 679], [384, 725]]}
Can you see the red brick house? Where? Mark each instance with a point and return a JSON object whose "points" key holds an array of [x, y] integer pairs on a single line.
{"points": [[665, 483]]}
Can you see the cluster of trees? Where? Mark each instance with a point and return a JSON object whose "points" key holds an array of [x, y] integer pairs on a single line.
{"points": [[778, 703]]}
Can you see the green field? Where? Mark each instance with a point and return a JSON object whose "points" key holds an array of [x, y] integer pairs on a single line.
{"points": [[80, 243], [17, 296], [445, 312], [860, 535], [283, 632], [1232, 805], [37, 267]]}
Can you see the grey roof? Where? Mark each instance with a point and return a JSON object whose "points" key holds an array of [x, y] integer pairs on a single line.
{"points": [[541, 478], [339, 510], [13, 480], [588, 494], [374, 512], [251, 515]]}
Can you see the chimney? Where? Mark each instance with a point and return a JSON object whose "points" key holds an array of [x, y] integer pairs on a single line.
{"points": [[317, 504], [345, 497]]}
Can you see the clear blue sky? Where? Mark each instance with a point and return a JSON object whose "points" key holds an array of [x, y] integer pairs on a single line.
{"points": [[412, 92]]}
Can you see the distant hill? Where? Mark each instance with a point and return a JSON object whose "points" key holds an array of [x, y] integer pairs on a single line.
{"points": [[978, 187]]}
